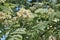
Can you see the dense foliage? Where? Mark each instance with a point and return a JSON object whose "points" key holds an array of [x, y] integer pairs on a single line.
{"points": [[21, 20]]}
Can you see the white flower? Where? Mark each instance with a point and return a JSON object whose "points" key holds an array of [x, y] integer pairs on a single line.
{"points": [[56, 20], [52, 38], [0, 31], [27, 37]]}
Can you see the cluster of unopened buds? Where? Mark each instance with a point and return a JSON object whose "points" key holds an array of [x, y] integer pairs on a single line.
{"points": [[24, 13], [4, 16], [50, 11]]}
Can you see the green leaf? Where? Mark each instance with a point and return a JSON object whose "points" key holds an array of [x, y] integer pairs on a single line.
{"points": [[14, 37], [41, 25], [19, 31]]}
